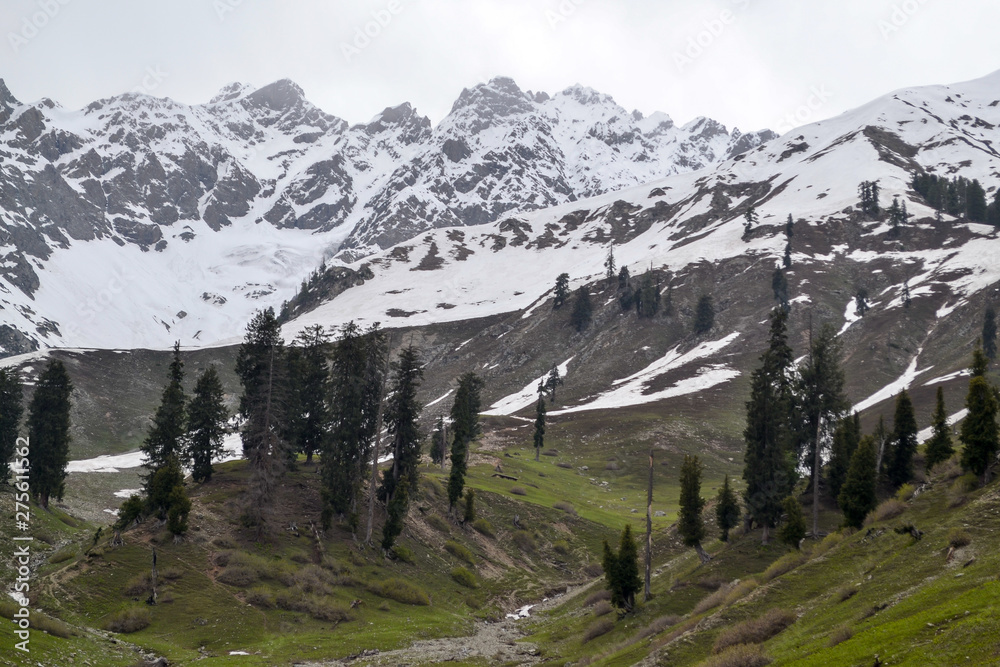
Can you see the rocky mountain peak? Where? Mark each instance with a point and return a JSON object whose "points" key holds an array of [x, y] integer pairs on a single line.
{"points": [[231, 92], [278, 96], [7, 102], [501, 97]]}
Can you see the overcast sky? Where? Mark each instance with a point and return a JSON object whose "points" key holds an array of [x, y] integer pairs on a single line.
{"points": [[748, 63]]}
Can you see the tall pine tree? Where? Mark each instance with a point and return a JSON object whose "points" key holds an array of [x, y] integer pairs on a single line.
{"points": [[939, 447], [689, 521], [979, 433], [582, 309], [621, 571], [904, 442], [11, 409], [309, 379], [539, 436], [439, 448], [857, 497], [465, 429], [166, 435], [845, 441], [769, 469], [990, 334], [48, 433], [704, 315], [206, 425], [402, 415], [727, 510]]}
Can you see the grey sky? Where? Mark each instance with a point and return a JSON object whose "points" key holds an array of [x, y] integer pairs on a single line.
{"points": [[752, 64]]}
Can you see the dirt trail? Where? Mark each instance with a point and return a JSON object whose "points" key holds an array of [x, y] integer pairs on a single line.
{"points": [[495, 642]]}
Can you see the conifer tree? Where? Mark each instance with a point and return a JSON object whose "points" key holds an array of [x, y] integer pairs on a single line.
{"points": [[861, 302], [561, 291], [750, 218], [786, 261], [609, 264], [180, 508], [689, 521], [11, 410], [845, 442], [904, 442], [769, 469], [979, 433], [465, 429], [779, 285], [206, 425], [793, 529], [552, 382], [623, 278], [647, 299], [402, 415], [48, 433], [727, 510], [704, 317], [939, 447], [582, 309], [857, 497], [166, 435], [161, 486], [539, 436], [309, 380], [469, 514], [438, 447], [396, 513], [990, 334], [621, 571]]}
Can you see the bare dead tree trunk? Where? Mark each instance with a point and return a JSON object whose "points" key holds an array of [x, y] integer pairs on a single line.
{"points": [[152, 595], [648, 593]]}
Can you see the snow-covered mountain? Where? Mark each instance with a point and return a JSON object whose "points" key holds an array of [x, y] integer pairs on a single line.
{"points": [[140, 220]]}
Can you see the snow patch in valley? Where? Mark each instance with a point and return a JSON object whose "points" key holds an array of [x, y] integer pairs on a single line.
{"points": [[890, 390], [925, 434], [508, 405]]}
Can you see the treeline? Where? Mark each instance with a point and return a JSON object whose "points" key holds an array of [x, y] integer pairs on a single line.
{"points": [[958, 196]]}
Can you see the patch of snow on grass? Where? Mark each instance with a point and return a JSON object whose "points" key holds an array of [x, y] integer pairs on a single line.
{"points": [[508, 405]]}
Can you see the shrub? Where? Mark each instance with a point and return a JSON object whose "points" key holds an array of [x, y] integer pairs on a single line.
{"points": [[593, 570], [784, 565], [828, 542], [754, 631], [965, 484], [403, 554], [459, 551], [596, 597], [658, 626], [62, 555], [139, 585], [841, 634], [598, 628], [400, 590], [524, 541], [436, 522], [957, 500], [314, 579], [561, 547], [517, 491], [845, 593], [905, 493], [611, 465], [712, 600], [484, 527], [464, 577], [432, 486], [563, 464], [550, 452], [321, 609], [565, 507], [260, 597], [743, 655], [52, 626], [224, 542], [129, 619], [240, 576], [888, 509], [602, 608], [959, 537], [171, 573], [740, 591]]}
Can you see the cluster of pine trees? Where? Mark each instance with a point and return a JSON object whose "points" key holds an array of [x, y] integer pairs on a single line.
{"points": [[958, 196]]}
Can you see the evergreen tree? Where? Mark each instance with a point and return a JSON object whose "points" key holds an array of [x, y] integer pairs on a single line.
{"points": [[621, 571], [465, 429], [396, 513], [624, 277], [180, 508], [904, 442], [539, 425], [11, 409], [789, 227], [979, 432], [206, 425], [857, 497], [647, 299], [861, 302], [356, 385], [48, 433], [609, 264], [769, 469], [689, 522], [161, 486], [704, 316], [309, 379], [727, 510], [939, 447], [561, 291], [845, 442], [469, 515], [907, 301], [402, 415], [793, 530], [990, 334], [582, 309], [260, 366], [751, 219], [975, 195], [166, 435], [779, 285], [874, 207], [786, 261], [438, 446], [897, 214], [552, 382], [993, 211]]}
